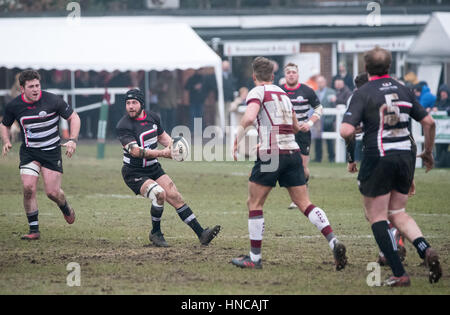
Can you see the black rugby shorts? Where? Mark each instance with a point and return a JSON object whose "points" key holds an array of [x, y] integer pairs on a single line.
{"points": [[136, 177], [303, 140], [50, 159], [289, 172], [378, 176]]}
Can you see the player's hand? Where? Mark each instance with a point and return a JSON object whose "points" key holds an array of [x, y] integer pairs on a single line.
{"points": [[304, 127], [235, 148], [167, 152], [358, 130], [71, 147], [428, 160], [352, 168], [412, 189], [6, 147]]}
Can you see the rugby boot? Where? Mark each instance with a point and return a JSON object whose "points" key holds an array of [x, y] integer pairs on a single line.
{"points": [[340, 259], [70, 218], [31, 236], [292, 206], [433, 265], [209, 234], [158, 239], [402, 281], [244, 261]]}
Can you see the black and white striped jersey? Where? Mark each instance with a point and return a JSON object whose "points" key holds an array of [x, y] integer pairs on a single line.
{"points": [[39, 121], [384, 106], [303, 98], [144, 131]]}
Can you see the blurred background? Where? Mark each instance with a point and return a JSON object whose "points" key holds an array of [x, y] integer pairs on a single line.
{"points": [[327, 39]]}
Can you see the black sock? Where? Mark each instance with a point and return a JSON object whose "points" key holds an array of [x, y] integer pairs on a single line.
{"points": [[33, 221], [156, 213], [188, 217], [65, 209], [421, 245], [386, 242]]}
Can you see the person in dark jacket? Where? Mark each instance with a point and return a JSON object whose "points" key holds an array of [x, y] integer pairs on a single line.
{"points": [[343, 93], [443, 103]]}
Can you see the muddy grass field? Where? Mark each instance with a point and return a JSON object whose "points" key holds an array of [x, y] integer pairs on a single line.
{"points": [[109, 240]]}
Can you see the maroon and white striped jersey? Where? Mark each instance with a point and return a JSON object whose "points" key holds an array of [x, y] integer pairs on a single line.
{"points": [[274, 120]]}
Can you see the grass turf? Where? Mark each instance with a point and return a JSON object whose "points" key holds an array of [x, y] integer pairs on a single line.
{"points": [[109, 240]]}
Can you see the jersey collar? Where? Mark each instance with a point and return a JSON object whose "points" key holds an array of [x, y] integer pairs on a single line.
{"points": [[386, 76], [290, 89], [23, 98], [143, 118]]}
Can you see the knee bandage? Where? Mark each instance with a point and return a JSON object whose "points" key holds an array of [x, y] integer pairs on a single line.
{"points": [[153, 191], [31, 169]]}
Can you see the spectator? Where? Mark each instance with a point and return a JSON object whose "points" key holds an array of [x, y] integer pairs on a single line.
{"points": [[196, 87], [239, 99], [14, 92], [59, 80], [410, 79], [312, 81], [89, 119], [168, 98], [343, 93], [443, 104], [137, 80], [327, 97], [229, 87], [424, 95], [345, 76], [277, 74]]}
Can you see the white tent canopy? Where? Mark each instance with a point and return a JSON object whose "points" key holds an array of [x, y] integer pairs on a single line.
{"points": [[107, 43], [433, 43]]}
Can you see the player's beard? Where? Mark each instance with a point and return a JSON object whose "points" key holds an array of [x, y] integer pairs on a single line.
{"points": [[135, 115], [292, 83]]}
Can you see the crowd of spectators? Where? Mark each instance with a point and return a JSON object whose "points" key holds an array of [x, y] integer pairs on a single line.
{"points": [[181, 96]]}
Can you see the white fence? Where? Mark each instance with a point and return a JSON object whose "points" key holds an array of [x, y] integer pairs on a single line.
{"points": [[441, 118]]}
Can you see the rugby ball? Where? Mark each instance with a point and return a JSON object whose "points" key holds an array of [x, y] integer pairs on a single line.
{"points": [[180, 149]]}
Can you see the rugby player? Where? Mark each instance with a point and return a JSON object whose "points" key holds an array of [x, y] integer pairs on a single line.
{"points": [[139, 132], [303, 98], [384, 106], [38, 113], [278, 160], [360, 80]]}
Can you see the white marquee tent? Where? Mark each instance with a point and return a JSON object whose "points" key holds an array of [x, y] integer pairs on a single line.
{"points": [[433, 43], [106, 43], [431, 49]]}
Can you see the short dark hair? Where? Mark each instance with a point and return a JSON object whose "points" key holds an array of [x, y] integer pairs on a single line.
{"points": [[378, 61], [28, 75], [361, 79], [263, 69]]}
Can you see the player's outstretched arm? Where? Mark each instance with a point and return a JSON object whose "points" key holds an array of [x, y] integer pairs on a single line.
{"points": [[5, 133], [165, 139], [247, 120], [141, 153]]}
